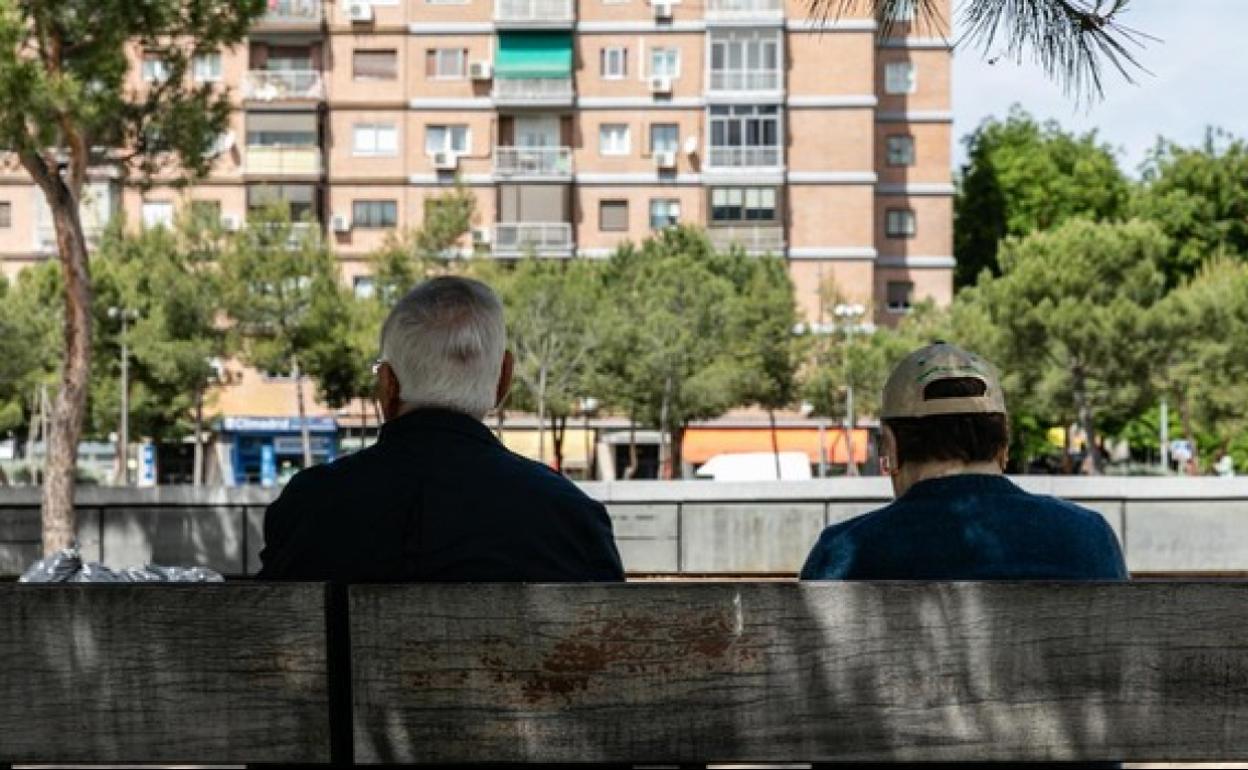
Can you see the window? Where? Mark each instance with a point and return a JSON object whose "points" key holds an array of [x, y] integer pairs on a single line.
{"points": [[206, 68], [154, 69], [364, 286], [665, 62], [374, 214], [664, 137], [900, 150], [206, 212], [899, 223], [745, 135], [614, 63], [612, 216], [375, 64], [282, 129], [613, 139], [157, 214], [743, 204], [452, 139], [900, 294], [375, 139], [899, 77], [745, 60], [664, 212], [300, 200], [904, 11], [446, 63], [6, 214]]}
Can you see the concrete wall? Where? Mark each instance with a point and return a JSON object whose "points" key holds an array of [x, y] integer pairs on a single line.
{"points": [[1170, 525]]}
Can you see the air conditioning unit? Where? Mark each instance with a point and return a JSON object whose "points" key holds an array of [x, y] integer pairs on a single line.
{"points": [[231, 222], [480, 236], [340, 223], [359, 10], [662, 10], [445, 161], [480, 70], [660, 84], [665, 159]]}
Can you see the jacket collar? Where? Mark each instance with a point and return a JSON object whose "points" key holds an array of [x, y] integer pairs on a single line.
{"points": [[961, 484], [427, 420]]}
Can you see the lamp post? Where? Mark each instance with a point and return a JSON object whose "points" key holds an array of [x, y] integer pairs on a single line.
{"points": [[848, 317], [125, 315]]}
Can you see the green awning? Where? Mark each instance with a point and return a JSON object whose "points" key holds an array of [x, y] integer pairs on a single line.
{"points": [[534, 55]]}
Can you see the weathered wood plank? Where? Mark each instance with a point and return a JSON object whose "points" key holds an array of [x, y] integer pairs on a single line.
{"points": [[163, 673], [775, 672]]}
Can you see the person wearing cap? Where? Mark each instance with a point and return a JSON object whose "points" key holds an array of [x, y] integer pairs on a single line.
{"points": [[945, 439]]}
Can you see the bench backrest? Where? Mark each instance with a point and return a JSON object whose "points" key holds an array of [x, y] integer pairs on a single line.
{"points": [[163, 673], [786, 672]]}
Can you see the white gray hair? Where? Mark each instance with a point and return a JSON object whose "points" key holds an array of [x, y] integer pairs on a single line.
{"points": [[445, 341]]}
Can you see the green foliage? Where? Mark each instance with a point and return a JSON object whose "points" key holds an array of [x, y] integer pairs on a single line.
{"points": [[767, 351], [27, 344], [1021, 177], [1199, 197]]}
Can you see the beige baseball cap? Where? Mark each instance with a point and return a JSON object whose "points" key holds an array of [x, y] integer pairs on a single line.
{"points": [[904, 393]]}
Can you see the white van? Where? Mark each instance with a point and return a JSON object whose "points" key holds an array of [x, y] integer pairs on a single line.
{"points": [[755, 466]]}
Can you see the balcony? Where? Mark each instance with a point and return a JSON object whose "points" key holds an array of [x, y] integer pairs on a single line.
{"points": [[292, 15], [517, 239], [728, 81], [756, 239], [744, 11], [543, 92], [283, 86], [743, 157], [533, 162], [277, 160], [534, 14]]}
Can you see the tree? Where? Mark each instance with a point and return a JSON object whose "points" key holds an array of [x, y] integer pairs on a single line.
{"points": [[64, 97], [281, 290], [27, 345], [1068, 321], [1021, 177], [1199, 198]]}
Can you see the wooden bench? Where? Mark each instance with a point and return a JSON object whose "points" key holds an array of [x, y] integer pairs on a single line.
{"points": [[646, 673]]}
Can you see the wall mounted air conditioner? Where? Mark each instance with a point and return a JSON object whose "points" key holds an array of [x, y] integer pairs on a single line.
{"points": [[660, 84], [445, 161], [358, 10], [340, 223], [665, 159], [480, 236], [480, 70]]}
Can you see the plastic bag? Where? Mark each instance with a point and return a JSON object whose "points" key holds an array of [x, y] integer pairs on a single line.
{"points": [[67, 566]]}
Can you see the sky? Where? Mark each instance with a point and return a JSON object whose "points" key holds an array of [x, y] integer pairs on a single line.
{"points": [[1199, 77]]}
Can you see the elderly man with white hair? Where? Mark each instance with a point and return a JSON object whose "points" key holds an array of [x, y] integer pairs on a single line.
{"points": [[438, 497]]}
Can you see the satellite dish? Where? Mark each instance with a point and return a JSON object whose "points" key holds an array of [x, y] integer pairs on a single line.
{"points": [[691, 145]]}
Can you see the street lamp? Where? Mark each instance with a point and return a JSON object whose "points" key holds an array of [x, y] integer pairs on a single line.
{"points": [[848, 317], [125, 315]]}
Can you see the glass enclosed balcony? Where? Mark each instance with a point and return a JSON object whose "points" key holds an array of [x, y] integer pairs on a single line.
{"points": [[744, 10], [291, 14], [283, 85], [541, 162], [758, 239], [279, 160], [540, 238], [534, 14]]}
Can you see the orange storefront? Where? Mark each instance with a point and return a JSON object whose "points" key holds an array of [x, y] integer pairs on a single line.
{"points": [[701, 443]]}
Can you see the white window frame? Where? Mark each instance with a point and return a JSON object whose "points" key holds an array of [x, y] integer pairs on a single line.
{"points": [[674, 54], [900, 77], [153, 220], [197, 67], [741, 44], [376, 150], [675, 147], [613, 54], [438, 54], [898, 308], [614, 147], [900, 223], [670, 204], [448, 131], [154, 69], [909, 155]]}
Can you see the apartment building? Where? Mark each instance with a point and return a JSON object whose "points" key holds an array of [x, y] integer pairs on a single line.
{"points": [[578, 124]]}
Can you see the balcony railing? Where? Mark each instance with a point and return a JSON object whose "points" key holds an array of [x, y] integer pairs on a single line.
{"points": [[744, 157], [533, 90], [533, 161], [745, 80], [520, 237], [744, 10], [756, 238], [283, 85], [285, 13], [533, 11], [280, 160]]}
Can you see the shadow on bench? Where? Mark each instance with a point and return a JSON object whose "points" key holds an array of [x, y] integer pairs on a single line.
{"points": [[766, 672]]}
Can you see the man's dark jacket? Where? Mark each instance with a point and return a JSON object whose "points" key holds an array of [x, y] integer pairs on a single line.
{"points": [[437, 498]]}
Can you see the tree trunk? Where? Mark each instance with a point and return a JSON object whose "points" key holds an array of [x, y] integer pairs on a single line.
{"points": [[666, 471], [1086, 422], [197, 472], [775, 440], [558, 428], [631, 470], [70, 406], [541, 415], [305, 435], [678, 463], [1185, 417]]}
